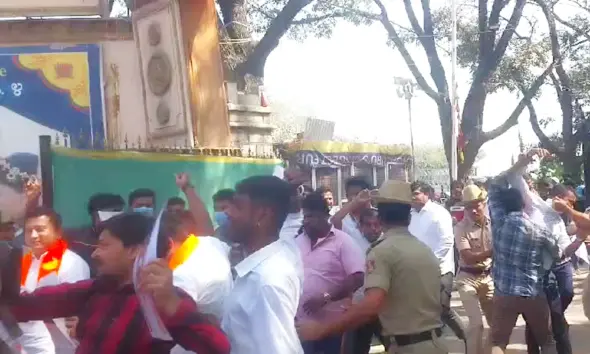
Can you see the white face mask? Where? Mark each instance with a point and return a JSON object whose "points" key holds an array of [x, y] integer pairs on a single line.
{"points": [[105, 215]]}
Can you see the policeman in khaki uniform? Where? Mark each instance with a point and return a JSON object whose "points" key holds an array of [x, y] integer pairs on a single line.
{"points": [[402, 283], [473, 237]]}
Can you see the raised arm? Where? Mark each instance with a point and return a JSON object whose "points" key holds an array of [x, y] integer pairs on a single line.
{"points": [[49, 302], [195, 205]]}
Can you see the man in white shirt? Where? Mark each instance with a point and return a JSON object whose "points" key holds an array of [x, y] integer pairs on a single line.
{"points": [[347, 218], [200, 265], [48, 263], [542, 213], [259, 314], [432, 224]]}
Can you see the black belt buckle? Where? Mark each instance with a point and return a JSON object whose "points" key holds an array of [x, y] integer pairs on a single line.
{"points": [[409, 339]]}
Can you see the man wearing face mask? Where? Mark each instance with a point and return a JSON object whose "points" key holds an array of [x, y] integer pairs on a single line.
{"points": [[142, 201], [221, 201], [101, 207]]}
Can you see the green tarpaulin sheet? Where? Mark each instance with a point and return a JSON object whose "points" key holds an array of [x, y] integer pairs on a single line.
{"points": [[79, 174]]}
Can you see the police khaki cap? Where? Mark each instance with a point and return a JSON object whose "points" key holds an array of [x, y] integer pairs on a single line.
{"points": [[473, 193], [393, 192]]}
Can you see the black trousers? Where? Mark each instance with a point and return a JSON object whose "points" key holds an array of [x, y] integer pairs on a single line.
{"points": [[449, 316]]}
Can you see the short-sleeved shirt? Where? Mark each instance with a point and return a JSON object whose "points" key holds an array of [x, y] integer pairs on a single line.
{"points": [[409, 272], [326, 265], [470, 235]]}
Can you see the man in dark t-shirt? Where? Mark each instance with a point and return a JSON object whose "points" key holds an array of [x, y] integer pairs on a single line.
{"points": [[83, 240]]}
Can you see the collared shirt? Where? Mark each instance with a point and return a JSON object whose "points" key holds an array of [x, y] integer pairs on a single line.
{"points": [[111, 320], [409, 272], [351, 227], [433, 226], [206, 277], [519, 245], [259, 315], [326, 265], [291, 226], [51, 337], [542, 212], [470, 235]]}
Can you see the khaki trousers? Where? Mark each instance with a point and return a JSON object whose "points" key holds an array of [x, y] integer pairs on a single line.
{"points": [[433, 346], [535, 310], [476, 293], [586, 297]]}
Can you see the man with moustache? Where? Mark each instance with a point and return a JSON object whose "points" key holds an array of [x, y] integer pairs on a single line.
{"points": [[473, 237]]}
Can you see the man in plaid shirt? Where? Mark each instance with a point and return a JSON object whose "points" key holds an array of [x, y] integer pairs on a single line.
{"points": [[519, 249]]}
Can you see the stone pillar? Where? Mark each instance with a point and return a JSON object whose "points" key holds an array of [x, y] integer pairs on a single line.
{"points": [[182, 71], [249, 122]]}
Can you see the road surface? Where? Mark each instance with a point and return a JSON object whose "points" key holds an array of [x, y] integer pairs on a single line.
{"points": [[579, 326]]}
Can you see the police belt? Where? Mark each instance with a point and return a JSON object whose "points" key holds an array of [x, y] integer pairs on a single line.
{"points": [[409, 339], [475, 271]]}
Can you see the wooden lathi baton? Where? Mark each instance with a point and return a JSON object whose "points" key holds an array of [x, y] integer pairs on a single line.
{"points": [[10, 269]]}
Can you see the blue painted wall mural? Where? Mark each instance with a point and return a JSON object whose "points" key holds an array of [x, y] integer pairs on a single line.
{"points": [[45, 90]]}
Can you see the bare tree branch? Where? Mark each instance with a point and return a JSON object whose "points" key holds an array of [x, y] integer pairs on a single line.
{"points": [[534, 119], [256, 61], [527, 97], [394, 36]]}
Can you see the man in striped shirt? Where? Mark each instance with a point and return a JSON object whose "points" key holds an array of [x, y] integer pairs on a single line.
{"points": [[110, 316]]}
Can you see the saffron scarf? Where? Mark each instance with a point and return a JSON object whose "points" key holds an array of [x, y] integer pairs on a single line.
{"points": [[50, 261], [183, 252]]}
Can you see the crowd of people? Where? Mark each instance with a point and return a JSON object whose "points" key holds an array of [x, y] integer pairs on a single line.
{"points": [[281, 269]]}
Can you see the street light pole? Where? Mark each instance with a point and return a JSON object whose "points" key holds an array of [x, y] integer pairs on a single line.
{"points": [[405, 90], [453, 91]]}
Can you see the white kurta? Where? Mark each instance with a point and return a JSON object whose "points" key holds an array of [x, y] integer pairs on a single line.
{"points": [[206, 277], [39, 338]]}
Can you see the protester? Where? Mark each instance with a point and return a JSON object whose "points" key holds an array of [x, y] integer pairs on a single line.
{"points": [[346, 219], [431, 223], [175, 204], [520, 247], [359, 340], [222, 200], [100, 207], [402, 282], [49, 262], [473, 237], [294, 219], [329, 197], [559, 285], [200, 265], [204, 225], [260, 311], [111, 320], [333, 271], [142, 200]]}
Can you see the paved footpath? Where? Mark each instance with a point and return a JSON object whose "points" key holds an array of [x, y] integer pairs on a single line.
{"points": [[579, 326]]}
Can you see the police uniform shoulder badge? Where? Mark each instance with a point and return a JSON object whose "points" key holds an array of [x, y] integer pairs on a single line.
{"points": [[370, 266]]}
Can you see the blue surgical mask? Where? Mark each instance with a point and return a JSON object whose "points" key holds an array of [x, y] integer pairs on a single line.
{"points": [[221, 218], [144, 210]]}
